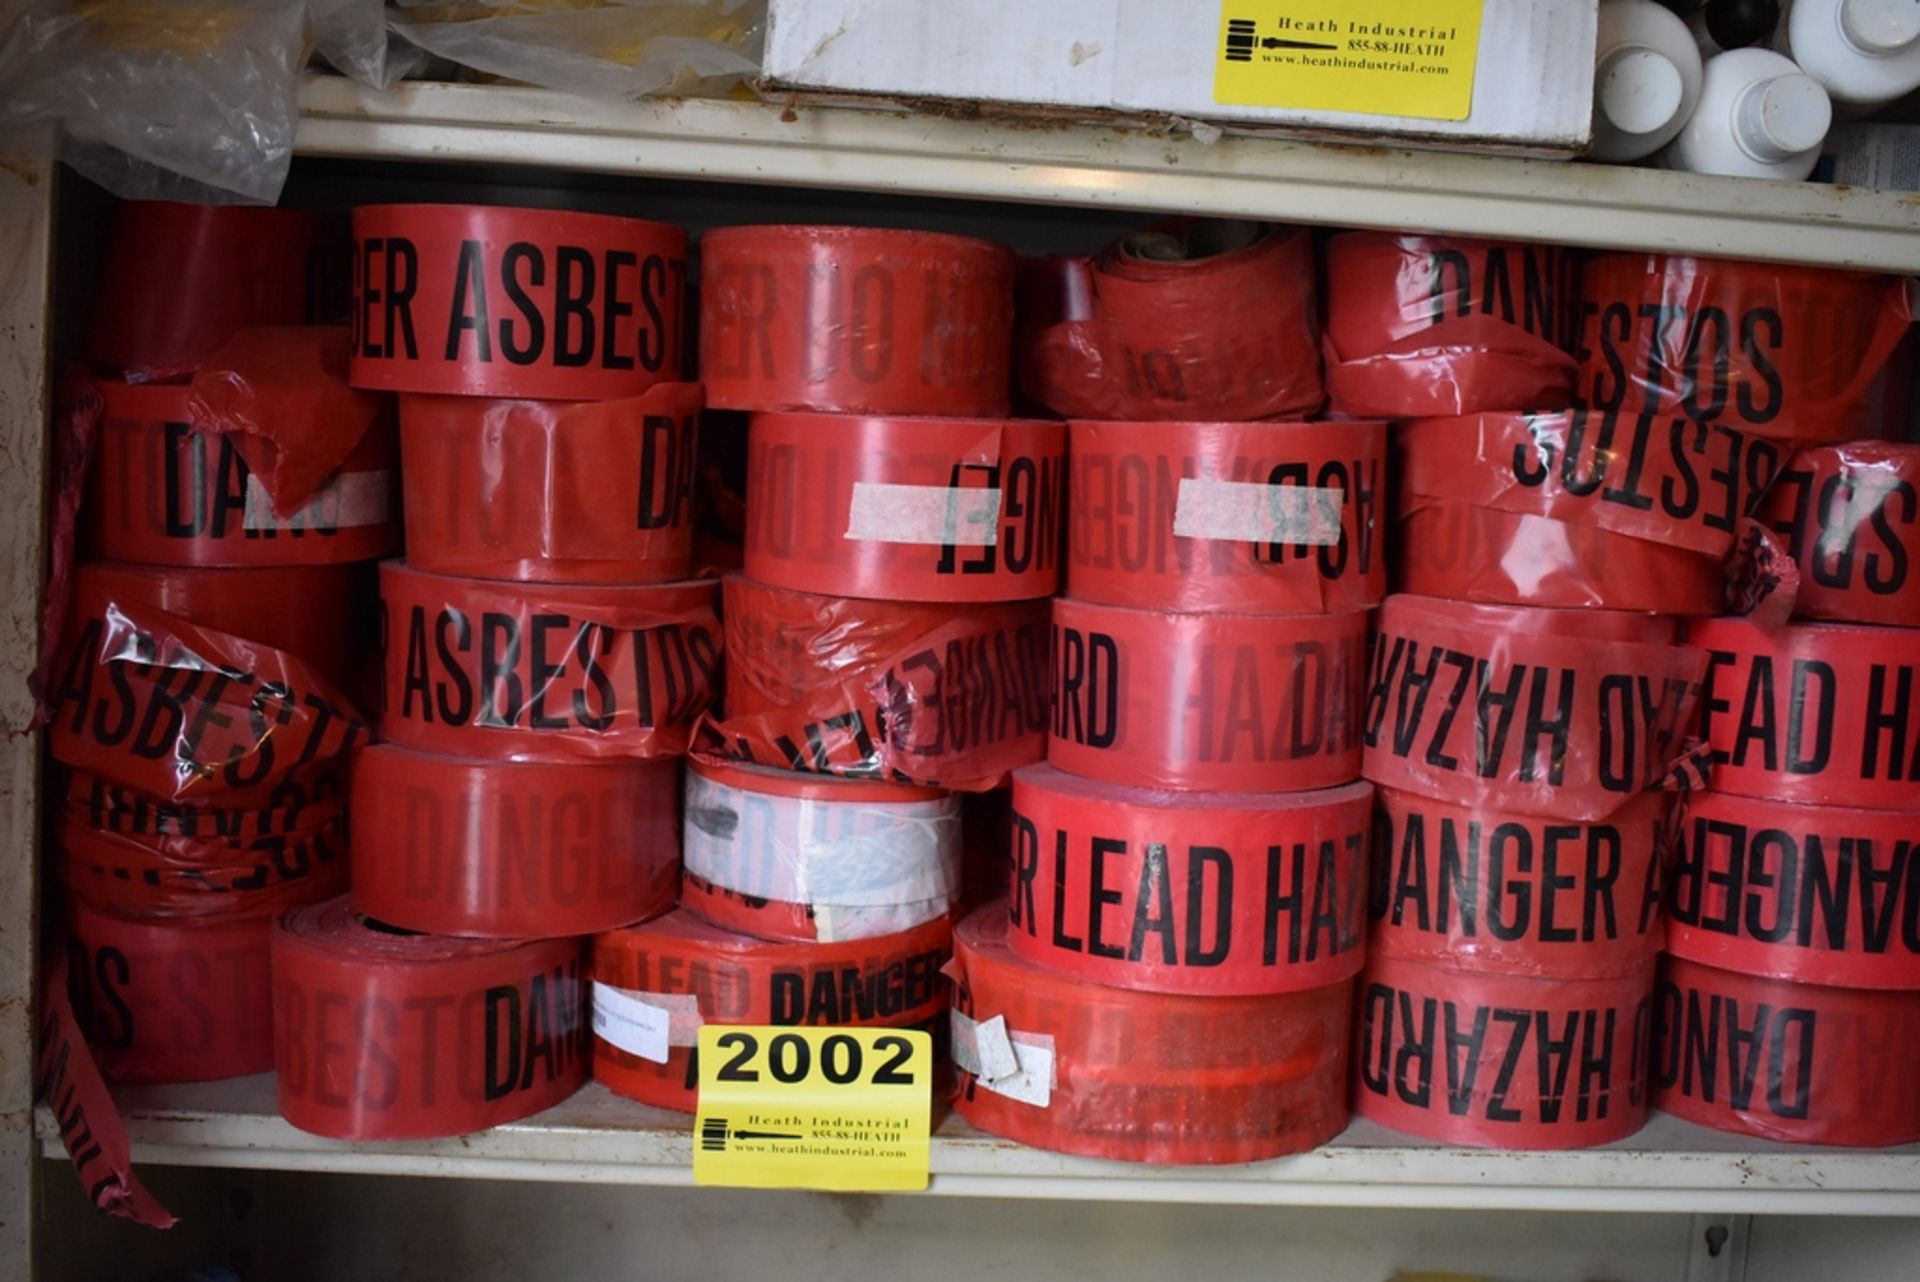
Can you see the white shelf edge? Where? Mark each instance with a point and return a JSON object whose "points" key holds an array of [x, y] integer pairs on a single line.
{"points": [[1089, 165], [595, 1138]]}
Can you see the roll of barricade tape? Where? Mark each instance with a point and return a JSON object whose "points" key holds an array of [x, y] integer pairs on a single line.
{"points": [[948, 696], [1265, 703], [1209, 894], [787, 856], [385, 1035], [855, 320], [513, 849], [655, 985], [1279, 518], [905, 509], [552, 491], [1062, 1064], [1503, 1061], [1426, 325], [1496, 893], [1562, 713], [1849, 516], [545, 671], [1822, 714], [1792, 1062], [475, 300]]}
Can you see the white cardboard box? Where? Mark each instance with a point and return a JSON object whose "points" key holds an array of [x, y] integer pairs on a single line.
{"points": [[1532, 88]]}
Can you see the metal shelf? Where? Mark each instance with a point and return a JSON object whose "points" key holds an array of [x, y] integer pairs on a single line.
{"points": [[1095, 166], [596, 1138]]}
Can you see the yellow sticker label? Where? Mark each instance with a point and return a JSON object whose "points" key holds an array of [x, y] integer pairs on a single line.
{"points": [[845, 1109], [1378, 57]]}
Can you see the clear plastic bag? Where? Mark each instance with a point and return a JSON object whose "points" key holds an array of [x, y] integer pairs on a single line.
{"points": [[352, 36]]}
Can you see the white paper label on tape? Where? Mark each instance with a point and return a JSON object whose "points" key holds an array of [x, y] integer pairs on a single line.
{"points": [[627, 1022], [1016, 1065], [349, 501], [937, 515], [1254, 512]]}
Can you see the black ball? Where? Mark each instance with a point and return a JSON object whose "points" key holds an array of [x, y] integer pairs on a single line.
{"points": [[1735, 24]]}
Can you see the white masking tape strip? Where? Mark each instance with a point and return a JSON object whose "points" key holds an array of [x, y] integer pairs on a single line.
{"points": [[1254, 512], [645, 1024], [937, 515], [1016, 1065], [350, 500]]}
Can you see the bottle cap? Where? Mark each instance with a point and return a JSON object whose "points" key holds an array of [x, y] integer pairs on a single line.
{"points": [[1640, 90], [1781, 117], [1880, 28]]}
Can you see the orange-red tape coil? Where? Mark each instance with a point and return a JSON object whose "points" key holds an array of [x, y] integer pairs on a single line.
{"points": [[855, 320], [383, 1035], [1849, 516], [1062, 1064], [656, 984]]}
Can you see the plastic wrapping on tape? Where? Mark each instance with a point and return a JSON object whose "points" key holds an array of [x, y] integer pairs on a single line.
{"points": [[1419, 326], [1562, 713], [797, 857], [512, 849], [179, 280], [1810, 894], [1210, 894], [1266, 703], [1496, 893], [545, 671], [552, 491], [166, 493], [1187, 319], [950, 696], [905, 509], [171, 1001], [1821, 714], [1838, 538], [854, 320], [379, 1035], [1793, 1062], [1780, 351], [1276, 518], [472, 300], [1062, 1064], [1503, 1061], [184, 711], [655, 985], [1576, 509]]}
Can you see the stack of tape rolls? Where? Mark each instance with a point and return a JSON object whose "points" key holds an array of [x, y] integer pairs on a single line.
{"points": [[199, 732], [1789, 1002]]}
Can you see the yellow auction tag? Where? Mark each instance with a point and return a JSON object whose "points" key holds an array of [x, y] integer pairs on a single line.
{"points": [[1380, 57], [845, 1109]]}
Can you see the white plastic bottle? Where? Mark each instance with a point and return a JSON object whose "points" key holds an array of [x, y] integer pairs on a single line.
{"points": [[1759, 117], [1646, 82], [1863, 52]]}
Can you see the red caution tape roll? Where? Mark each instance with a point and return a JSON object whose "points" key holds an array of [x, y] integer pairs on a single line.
{"points": [[1419, 326], [1792, 1062], [512, 850], [151, 699], [1502, 1061], [1188, 319], [1850, 518], [1562, 713], [171, 1001], [1781, 351], [905, 509], [165, 494], [545, 671], [379, 1035], [1278, 518], [1811, 894], [655, 985], [1211, 894], [1823, 714], [1495, 893], [854, 320], [1267, 702], [180, 279], [473, 300], [1062, 1064], [552, 491], [950, 696], [798, 857]]}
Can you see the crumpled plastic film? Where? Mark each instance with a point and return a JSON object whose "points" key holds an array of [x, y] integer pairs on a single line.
{"points": [[352, 36]]}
